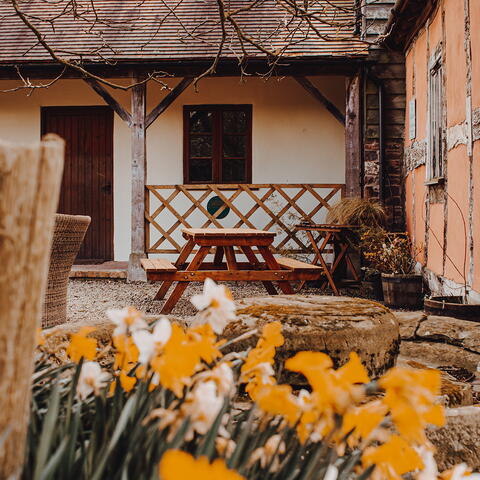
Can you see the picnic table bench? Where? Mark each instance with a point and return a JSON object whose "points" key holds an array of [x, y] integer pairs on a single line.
{"points": [[226, 243]]}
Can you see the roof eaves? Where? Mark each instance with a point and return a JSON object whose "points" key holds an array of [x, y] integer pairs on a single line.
{"points": [[407, 17]]}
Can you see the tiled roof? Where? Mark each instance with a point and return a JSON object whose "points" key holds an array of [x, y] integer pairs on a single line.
{"points": [[160, 30]]}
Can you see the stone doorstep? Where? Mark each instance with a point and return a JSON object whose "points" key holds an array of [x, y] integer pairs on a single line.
{"points": [[111, 270]]}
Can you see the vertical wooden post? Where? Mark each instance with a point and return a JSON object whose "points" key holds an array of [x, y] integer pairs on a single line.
{"points": [[139, 178], [353, 136], [29, 187]]}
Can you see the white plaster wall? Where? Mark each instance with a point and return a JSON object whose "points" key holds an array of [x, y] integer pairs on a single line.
{"points": [[295, 139]]}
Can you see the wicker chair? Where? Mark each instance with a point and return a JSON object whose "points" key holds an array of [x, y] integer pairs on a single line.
{"points": [[67, 238]]}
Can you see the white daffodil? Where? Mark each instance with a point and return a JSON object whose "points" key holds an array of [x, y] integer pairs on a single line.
{"points": [[147, 343], [202, 406], [273, 448], [331, 473], [91, 379], [222, 375], [215, 305], [430, 469], [127, 320], [264, 371], [462, 472]]}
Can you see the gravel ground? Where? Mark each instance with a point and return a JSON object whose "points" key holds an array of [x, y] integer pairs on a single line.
{"points": [[89, 299]]}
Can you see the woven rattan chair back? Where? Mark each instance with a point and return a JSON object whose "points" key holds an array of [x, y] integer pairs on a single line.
{"points": [[67, 239]]}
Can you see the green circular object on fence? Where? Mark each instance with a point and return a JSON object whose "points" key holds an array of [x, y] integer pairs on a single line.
{"points": [[214, 204]]}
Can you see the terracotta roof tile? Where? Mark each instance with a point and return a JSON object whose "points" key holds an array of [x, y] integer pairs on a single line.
{"points": [[156, 30]]}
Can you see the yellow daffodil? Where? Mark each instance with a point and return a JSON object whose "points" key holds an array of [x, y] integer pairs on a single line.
{"points": [[362, 421], [392, 459], [411, 395], [82, 346], [257, 369], [216, 306], [177, 362], [127, 352], [127, 382], [178, 465], [278, 400], [40, 339], [204, 341], [337, 389]]}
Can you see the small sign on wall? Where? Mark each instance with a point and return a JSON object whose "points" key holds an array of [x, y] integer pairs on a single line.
{"points": [[412, 118]]}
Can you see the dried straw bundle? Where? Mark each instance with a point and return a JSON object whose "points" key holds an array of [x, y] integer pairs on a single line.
{"points": [[357, 211]]}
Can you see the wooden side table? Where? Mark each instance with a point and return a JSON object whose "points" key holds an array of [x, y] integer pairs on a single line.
{"points": [[330, 234]]}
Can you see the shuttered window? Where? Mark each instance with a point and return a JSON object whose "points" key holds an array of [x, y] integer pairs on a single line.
{"points": [[436, 149], [217, 144]]}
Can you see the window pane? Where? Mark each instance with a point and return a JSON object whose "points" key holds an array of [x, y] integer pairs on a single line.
{"points": [[200, 146], [200, 170], [234, 122], [233, 170], [234, 145], [200, 121]]}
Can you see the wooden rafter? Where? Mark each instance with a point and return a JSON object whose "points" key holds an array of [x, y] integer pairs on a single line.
{"points": [[109, 100], [167, 101], [315, 92]]}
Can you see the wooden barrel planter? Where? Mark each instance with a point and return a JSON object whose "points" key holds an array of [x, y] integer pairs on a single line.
{"points": [[452, 306], [402, 291]]}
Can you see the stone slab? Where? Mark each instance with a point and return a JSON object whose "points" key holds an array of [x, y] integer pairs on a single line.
{"points": [[451, 330], [409, 322], [439, 354]]}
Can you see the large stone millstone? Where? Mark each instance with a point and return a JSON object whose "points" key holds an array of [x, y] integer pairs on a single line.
{"points": [[333, 325]]}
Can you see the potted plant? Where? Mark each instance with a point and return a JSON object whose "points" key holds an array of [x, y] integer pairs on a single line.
{"points": [[394, 256]]}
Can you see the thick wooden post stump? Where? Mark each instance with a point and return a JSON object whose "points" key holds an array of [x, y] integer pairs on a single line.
{"points": [[30, 178]]}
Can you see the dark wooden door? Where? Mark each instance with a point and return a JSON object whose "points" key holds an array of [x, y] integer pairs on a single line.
{"points": [[87, 187]]}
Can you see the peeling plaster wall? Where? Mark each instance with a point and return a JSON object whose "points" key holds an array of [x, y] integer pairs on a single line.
{"points": [[449, 213]]}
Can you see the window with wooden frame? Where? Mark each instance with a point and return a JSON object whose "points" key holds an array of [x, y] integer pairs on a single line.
{"points": [[435, 167], [217, 145]]}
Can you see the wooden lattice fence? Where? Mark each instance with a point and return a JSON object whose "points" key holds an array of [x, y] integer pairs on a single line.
{"points": [[273, 207]]}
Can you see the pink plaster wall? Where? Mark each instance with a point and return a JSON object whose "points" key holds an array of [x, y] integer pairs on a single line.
{"points": [[475, 39], [436, 238], [421, 62], [419, 211], [456, 67], [409, 214], [458, 168], [476, 216]]}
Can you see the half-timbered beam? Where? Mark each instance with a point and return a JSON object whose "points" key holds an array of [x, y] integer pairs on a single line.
{"points": [[109, 100], [353, 137], [315, 92], [167, 101], [139, 178]]}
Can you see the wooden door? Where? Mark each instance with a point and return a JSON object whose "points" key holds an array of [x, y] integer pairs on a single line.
{"points": [[87, 186]]}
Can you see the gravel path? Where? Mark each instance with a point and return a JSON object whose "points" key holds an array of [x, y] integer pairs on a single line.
{"points": [[89, 299]]}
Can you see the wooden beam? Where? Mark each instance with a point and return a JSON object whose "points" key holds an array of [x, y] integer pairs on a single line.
{"points": [[314, 92], [109, 100], [167, 101], [139, 178], [353, 137]]}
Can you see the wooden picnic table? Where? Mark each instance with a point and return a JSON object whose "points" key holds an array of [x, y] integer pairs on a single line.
{"points": [[330, 234], [226, 243]]}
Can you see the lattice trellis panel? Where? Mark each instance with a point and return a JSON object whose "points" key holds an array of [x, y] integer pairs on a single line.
{"points": [[273, 207]]}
